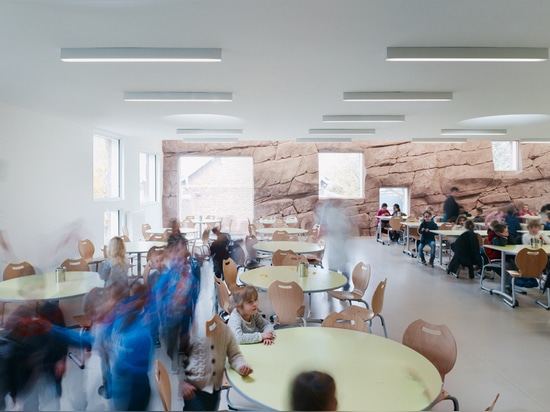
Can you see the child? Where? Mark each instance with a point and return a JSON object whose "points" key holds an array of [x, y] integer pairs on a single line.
{"points": [[502, 238], [156, 263], [547, 223], [512, 220], [313, 391], [116, 267], [384, 224], [245, 322], [460, 221], [466, 250], [479, 215], [427, 237], [202, 375], [525, 211], [534, 233]]}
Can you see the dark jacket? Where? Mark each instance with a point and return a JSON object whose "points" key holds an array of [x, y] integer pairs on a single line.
{"points": [[467, 252], [450, 209], [427, 237]]}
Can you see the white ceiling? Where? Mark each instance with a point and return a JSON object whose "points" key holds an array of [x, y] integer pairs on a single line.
{"points": [[286, 62]]}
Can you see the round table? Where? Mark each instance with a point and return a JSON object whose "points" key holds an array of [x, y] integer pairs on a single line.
{"points": [[296, 247], [318, 279], [44, 287], [372, 373]]}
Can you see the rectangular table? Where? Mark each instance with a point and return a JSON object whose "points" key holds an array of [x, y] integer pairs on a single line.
{"points": [[453, 234]]}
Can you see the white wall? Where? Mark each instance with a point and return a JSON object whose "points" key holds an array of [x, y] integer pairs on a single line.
{"points": [[46, 202]]}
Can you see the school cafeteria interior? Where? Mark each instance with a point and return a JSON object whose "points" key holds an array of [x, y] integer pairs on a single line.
{"points": [[110, 111]]}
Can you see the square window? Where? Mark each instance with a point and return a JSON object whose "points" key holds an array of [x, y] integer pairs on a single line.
{"points": [[506, 156], [341, 175], [395, 195]]}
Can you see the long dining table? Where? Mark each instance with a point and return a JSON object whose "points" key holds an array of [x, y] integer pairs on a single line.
{"points": [[372, 373]]}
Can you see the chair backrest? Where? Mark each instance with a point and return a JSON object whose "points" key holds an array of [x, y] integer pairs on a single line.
{"points": [[345, 321], [413, 233], [75, 265], [435, 342], [188, 223], [286, 298], [395, 222], [280, 223], [294, 260], [361, 278], [163, 384], [279, 235], [224, 300], [144, 228], [230, 271], [125, 239], [279, 255], [412, 219], [249, 243], [479, 240], [159, 237], [492, 404], [125, 231], [205, 236], [378, 297], [531, 262], [86, 248], [15, 270], [252, 229], [446, 226], [152, 250]]}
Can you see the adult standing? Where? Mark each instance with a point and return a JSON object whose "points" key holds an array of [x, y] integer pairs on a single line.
{"points": [[450, 207]]}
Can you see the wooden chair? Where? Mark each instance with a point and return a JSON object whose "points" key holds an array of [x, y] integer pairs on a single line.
{"points": [[75, 265], [125, 232], [531, 263], [87, 250], [294, 260], [280, 235], [414, 237], [279, 223], [491, 265], [279, 255], [12, 271], [438, 345], [316, 259], [253, 258], [201, 247], [163, 385], [287, 299], [230, 271], [224, 299], [159, 237], [144, 228], [91, 306], [360, 278], [396, 226], [369, 314], [345, 321], [492, 404]]}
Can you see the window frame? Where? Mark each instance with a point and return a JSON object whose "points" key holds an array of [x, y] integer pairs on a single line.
{"points": [[152, 183], [515, 156], [405, 205], [118, 168]]}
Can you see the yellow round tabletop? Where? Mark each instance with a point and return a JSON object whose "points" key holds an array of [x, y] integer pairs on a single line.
{"points": [[44, 286], [289, 230], [372, 373], [318, 279], [296, 247]]}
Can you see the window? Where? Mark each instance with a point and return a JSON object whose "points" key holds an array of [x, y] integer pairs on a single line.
{"points": [[340, 175], [147, 178], [111, 219], [506, 156], [221, 186], [106, 184], [393, 195]]}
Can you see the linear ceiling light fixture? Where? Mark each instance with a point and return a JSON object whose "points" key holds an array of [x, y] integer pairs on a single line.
{"points": [[535, 140], [440, 140], [473, 132], [468, 54], [210, 131], [342, 131], [140, 54], [363, 118], [397, 96], [178, 97]]}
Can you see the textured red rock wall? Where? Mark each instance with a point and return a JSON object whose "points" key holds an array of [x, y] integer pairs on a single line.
{"points": [[286, 176]]}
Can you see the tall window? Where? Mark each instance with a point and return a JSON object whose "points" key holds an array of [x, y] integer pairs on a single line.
{"points": [[106, 183], [506, 156], [341, 175], [220, 186], [393, 195], [147, 178], [111, 224]]}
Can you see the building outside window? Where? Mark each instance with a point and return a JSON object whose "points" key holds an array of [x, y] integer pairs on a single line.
{"points": [[506, 156], [341, 175], [147, 178]]}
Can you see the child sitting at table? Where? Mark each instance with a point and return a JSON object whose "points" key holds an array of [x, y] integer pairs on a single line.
{"points": [[547, 222], [116, 266], [384, 224], [313, 391], [534, 233], [460, 221], [427, 238], [245, 322], [204, 364], [479, 215], [502, 238]]}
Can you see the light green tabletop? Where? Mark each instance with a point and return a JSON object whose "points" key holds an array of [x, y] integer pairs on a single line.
{"points": [[297, 247], [372, 373], [457, 232], [514, 249], [44, 286], [318, 279]]}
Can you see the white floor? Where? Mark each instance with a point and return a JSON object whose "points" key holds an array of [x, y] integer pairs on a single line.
{"points": [[500, 349]]}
